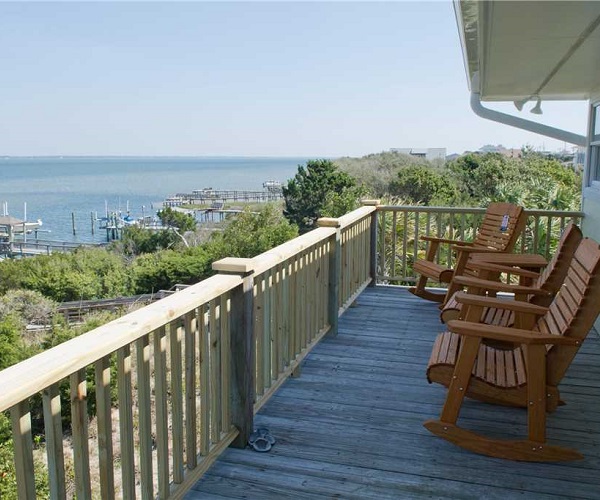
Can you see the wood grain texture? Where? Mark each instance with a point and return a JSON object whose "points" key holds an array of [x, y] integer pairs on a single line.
{"points": [[351, 425]]}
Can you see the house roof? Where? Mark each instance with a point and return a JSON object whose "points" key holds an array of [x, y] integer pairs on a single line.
{"points": [[531, 48]]}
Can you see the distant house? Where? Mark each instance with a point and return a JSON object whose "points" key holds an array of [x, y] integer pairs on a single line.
{"points": [[429, 154], [508, 152]]}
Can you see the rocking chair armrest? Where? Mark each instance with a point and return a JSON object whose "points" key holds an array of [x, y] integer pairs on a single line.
{"points": [[498, 286], [525, 260], [488, 266], [445, 240], [503, 333], [474, 250], [511, 305]]}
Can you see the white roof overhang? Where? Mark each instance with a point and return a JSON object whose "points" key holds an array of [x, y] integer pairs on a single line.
{"points": [[521, 49]]}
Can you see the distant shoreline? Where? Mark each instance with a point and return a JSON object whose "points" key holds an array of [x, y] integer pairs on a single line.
{"points": [[204, 157]]}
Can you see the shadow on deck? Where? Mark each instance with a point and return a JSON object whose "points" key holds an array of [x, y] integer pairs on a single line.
{"points": [[351, 425]]}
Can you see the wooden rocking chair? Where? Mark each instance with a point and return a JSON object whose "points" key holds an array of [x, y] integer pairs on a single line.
{"points": [[516, 366], [535, 288], [500, 228]]}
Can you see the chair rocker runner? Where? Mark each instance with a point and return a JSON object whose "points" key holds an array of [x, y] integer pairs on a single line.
{"points": [[535, 288], [501, 226], [516, 366]]}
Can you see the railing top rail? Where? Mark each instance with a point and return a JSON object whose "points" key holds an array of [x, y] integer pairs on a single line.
{"points": [[473, 210], [356, 215], [554, 213], [283, 252], [419, 208], [34, 374]]}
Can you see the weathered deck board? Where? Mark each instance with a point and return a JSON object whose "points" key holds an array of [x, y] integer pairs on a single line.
{"points": [[351, 425]]}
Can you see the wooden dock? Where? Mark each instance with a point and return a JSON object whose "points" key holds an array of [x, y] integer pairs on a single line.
{"points": [[33, 247], [208, 196], [351, 425]]}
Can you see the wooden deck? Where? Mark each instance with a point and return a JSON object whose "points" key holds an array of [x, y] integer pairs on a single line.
{"points": [[350, 426]]}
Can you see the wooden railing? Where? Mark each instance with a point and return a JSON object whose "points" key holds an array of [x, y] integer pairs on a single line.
{"points": [[400, 229], [142, 406]]}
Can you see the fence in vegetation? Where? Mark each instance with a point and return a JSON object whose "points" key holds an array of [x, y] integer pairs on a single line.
{"points": [[400, 229]]}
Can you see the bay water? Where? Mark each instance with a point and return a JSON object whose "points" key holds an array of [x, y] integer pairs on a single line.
{"points": [[54, 188]]}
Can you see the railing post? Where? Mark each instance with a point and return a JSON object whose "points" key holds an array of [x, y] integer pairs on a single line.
{"points": [[242, 344], [373, 241], [335, 272]]}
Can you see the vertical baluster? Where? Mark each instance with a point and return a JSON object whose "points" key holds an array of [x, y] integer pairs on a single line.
{"points": [[548, 253], [382, 235], [79, 427], [450, 233], [176, 400], [416, 237], [353, 257], [277, 315], [191, 421], [104, 418], [313, 292], [268, 331], [204, 383], [302, 297], [259, 325], [364, 250], [162, 423], [126, 422], [23, 449], [327, 284], [372, 248], [215, 370], [287, 313], [536, 234], [283, 296], [324, 285], [294, 331], [348, 265], [225, 362], [438, 221], [404, 243], [54, 443], [142, 350]]}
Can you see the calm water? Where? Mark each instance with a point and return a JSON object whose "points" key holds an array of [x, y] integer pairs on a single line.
{"points": [[53, 188]]}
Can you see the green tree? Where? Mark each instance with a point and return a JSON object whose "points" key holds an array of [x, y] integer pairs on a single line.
{"points": [[374, 172], [426, 185], [138, 240], [161, 270], [306, 194], [251, 233], [479, 176], [172, 218]]}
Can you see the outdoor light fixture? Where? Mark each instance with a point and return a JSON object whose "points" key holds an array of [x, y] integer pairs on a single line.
{"points": [[537, 109], [519, 104]]}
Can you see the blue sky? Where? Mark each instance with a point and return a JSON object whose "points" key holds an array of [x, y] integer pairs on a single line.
{"points": [[245, 78]]}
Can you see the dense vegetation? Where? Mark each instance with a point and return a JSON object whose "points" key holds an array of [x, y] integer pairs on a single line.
{"points": [[473, 179], [320, 189]]}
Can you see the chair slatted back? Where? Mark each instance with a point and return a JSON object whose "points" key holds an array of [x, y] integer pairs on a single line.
{"points": [[574, 309], [554, 274], [500, 227]]}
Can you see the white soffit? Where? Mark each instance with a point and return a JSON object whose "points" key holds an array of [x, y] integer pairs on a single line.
{"points": [[525, 48]]}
